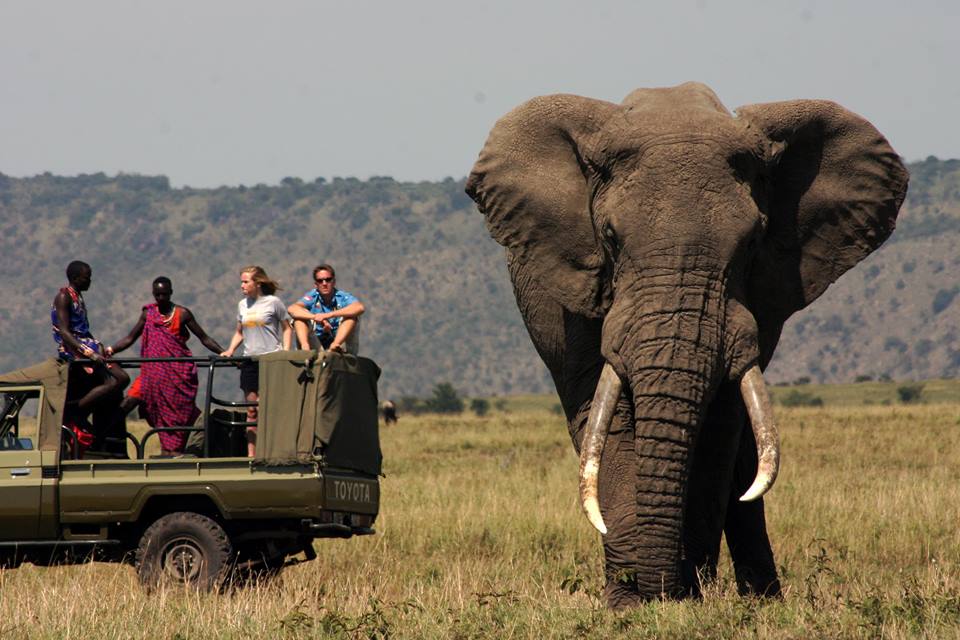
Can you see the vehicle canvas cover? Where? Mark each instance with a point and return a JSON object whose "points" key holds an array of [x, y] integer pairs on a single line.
{"points": [[52, 375], [319, 404]]}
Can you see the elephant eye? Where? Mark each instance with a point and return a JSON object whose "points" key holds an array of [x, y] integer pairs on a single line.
{"points": [[610, 239]]}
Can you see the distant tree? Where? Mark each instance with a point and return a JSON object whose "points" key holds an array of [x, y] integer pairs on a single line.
{"points": [[801, 399], [411, 405], [500, 404], [910, 393], [943, 298], [557, 409], [894, 344], [885, 377], [802, 380], [480, 406], [863, 378], [923, 347], [445, 399]]}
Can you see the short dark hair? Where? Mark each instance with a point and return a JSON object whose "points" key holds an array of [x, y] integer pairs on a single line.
{"points": [[324, 267], [162, 280], [77, 268]]}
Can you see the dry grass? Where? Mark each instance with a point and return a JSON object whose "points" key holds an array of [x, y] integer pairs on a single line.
{"points": [[480, 536]]}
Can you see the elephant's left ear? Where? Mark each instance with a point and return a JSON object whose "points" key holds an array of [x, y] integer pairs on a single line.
{"points": [[833, 196]]}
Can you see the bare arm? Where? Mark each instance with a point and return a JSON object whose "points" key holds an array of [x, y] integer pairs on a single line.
{"points": [[234, 341], [350, 312], [287, 335], [131, 337], [299, 311], [62, 304], [198, 331]]}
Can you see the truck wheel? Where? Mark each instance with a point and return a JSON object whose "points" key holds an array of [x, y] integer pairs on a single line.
{"points": [[184, 548]]}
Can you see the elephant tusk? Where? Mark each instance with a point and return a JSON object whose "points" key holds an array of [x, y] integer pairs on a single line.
{"points": [[598, 424], [757, 398]]}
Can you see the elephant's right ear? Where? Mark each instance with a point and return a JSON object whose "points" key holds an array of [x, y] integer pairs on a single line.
{"points": [[531, 183]]}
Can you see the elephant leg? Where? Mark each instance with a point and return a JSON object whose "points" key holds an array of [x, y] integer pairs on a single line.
{"points": [[570, 346], [746, 530], [711, 475]]}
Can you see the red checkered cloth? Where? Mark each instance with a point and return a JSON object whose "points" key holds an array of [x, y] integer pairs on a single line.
{"points": [[167, 390]]}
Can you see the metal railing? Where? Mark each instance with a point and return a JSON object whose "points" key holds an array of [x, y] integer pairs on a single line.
{"points": [[211, 363]]}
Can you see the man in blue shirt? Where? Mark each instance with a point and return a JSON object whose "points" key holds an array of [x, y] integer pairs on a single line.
{"points": [[334, 314]]}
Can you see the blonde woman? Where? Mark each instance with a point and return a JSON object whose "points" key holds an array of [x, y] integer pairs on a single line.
{"points": [[263, 326]]}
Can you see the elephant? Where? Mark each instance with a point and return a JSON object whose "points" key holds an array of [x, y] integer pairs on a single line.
{"points": [[656, 247]]}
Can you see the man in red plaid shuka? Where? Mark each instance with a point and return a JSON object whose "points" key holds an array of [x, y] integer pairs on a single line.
{"points": [[166, 391]]}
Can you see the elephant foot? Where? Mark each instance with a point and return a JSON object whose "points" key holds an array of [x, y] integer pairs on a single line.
{"points": [[621, 595], [756, 584], [624, 594]]}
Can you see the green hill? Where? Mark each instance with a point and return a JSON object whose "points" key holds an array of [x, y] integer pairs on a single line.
{"points": [[440, 303]]}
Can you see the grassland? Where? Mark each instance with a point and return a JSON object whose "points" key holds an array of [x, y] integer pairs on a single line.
{"points": [[852, 394], [480, 535]]}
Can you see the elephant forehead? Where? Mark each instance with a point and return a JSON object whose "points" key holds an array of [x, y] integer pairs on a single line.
{"points": [[632, 135]]}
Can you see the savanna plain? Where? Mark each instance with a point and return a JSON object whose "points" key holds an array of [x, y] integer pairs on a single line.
{"points": [[480, 535]]}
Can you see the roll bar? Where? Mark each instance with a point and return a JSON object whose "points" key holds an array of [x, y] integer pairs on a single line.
{"points": [[210, 363]]}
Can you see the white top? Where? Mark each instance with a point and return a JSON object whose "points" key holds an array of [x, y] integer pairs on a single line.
{"points": [[261, 324]]}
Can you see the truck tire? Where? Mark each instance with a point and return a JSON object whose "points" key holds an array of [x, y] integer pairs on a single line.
{"points": [[184, 548]]}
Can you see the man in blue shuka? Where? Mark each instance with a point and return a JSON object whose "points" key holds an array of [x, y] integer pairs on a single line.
{"points": [[332, 314]]}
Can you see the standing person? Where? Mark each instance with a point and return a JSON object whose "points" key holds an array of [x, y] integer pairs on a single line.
{"points": [[389, 412], [335, 314], [166, 391], [263, 326], [92, 389]]}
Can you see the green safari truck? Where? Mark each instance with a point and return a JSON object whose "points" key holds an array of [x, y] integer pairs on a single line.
{"points": [[212, 514]]}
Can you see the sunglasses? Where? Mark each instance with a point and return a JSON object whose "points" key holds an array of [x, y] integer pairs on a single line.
{"points": [[322, 280]]}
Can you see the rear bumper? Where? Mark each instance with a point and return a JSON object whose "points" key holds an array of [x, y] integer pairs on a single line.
{"points": [[346, 528]]}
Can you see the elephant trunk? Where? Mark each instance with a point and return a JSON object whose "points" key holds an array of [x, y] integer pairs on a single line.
{"points": [[756, 397], [667, 418]]}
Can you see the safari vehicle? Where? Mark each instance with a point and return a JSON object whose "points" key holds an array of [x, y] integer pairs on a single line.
{"points": [[212, 514]]}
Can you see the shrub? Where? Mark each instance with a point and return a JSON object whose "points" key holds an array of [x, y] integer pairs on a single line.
{"points": [[480, 406], [802, 380], [909, 393], [801, 399], [410, 405], [863, 378], [445, 399]]}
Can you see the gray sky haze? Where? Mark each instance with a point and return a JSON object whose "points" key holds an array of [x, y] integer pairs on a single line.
{"points": [[218, 92]]}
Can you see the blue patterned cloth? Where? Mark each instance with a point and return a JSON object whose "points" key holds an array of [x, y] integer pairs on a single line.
{"points": [[314, 304], [79, 325]]}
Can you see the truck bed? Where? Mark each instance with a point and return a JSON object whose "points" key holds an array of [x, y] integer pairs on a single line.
{"points": [[117, 490]]}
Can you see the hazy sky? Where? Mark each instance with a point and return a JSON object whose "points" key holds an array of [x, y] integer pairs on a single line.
{"points": [[213, 92]]}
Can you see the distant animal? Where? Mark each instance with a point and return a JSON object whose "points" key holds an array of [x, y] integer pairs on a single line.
{"points": [[389, 410], [656, 248]]}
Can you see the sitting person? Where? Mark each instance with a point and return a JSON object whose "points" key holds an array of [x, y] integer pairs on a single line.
{"points": [[93, 389], [335, 315], [166, 391]]}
